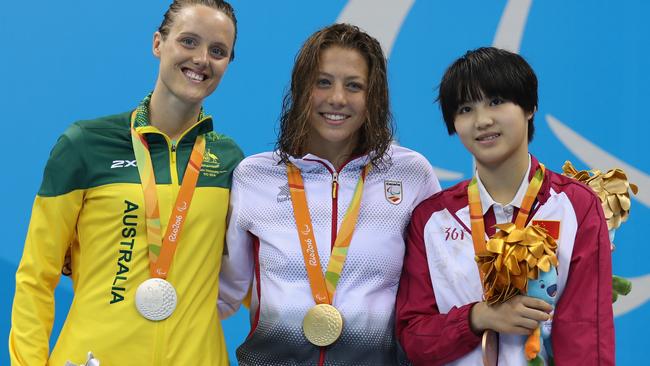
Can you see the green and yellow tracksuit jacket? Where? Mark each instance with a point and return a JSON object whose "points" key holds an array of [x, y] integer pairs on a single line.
{"points": [[91, 202]]}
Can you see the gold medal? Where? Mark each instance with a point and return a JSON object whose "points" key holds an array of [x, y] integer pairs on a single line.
{"points": [[322, 325]]}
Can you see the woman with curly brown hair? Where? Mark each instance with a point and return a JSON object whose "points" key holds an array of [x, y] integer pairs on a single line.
{"points": [[316, 227]]}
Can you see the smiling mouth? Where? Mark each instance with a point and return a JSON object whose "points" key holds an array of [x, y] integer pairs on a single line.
{"points": [[488, 137], [193, 75], [335, 117]]}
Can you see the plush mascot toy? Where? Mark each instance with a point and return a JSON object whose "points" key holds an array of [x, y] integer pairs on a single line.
{"points": [[544, 288]]}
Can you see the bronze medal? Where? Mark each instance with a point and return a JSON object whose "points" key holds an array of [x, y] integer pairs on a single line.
{"points": [[322, 325], [490, 348]]}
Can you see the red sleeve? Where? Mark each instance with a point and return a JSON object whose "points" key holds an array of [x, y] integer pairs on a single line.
{"points": [[583, 325], [428, 337]]}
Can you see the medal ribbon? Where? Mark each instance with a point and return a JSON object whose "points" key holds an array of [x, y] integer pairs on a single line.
{"points": [[323, 287], [490, 342], [161, 250], [476, 211]]}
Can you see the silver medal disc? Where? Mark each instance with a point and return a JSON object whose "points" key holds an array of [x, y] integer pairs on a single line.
{"points": [[155, 299]]}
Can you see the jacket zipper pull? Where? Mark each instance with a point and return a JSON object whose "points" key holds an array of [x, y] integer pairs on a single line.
{"points": [[335, 184]]}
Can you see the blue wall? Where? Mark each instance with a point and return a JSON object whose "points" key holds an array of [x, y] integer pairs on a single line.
{"points": [[64, 61]]}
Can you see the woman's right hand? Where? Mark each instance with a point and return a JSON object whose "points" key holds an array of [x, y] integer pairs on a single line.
{"points": [[519, 315]]}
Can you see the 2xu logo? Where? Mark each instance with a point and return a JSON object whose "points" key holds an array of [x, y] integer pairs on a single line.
{"points": [[123, 164]]}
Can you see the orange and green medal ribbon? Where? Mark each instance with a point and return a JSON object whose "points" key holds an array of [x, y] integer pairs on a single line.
{"points": [[489, 343], [323, 287], [162, 249]]}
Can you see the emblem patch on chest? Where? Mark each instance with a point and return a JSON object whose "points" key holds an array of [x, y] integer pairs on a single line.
{"points": [[210, 159], [393, 191], [552, 226], [211, 164]]}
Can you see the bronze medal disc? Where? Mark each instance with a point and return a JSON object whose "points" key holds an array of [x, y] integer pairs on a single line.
{"points": [[490, 348], [322, 325]]}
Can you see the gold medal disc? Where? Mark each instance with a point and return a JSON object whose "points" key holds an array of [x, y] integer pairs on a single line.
{"points": [[322, 325]]}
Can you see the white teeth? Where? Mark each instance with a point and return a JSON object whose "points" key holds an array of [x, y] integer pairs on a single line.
{"points": [[193, 75], [489, 137], [335, 117]]}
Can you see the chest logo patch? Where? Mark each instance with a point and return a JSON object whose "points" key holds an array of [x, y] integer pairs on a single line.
{"points": [[284, 194], [211, 164], [210, 159], [123, 164], [453, 234], [393, 191]]}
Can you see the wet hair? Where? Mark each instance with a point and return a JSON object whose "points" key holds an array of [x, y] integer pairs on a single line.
{"points": [[376, 133], [488, 72], [177, 5]]}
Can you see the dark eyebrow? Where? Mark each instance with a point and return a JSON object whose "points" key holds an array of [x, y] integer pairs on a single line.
{"points": [[349, 78]]}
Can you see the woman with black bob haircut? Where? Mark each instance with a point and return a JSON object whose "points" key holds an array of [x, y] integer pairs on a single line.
{"points": [[473, 300], [316, 227], [143, 234], [488, 72]]}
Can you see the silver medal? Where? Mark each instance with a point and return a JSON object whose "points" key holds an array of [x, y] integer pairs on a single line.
{"points": [[155, 299]]}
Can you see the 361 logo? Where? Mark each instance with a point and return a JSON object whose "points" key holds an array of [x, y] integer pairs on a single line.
{"points": [[454, 234]]}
